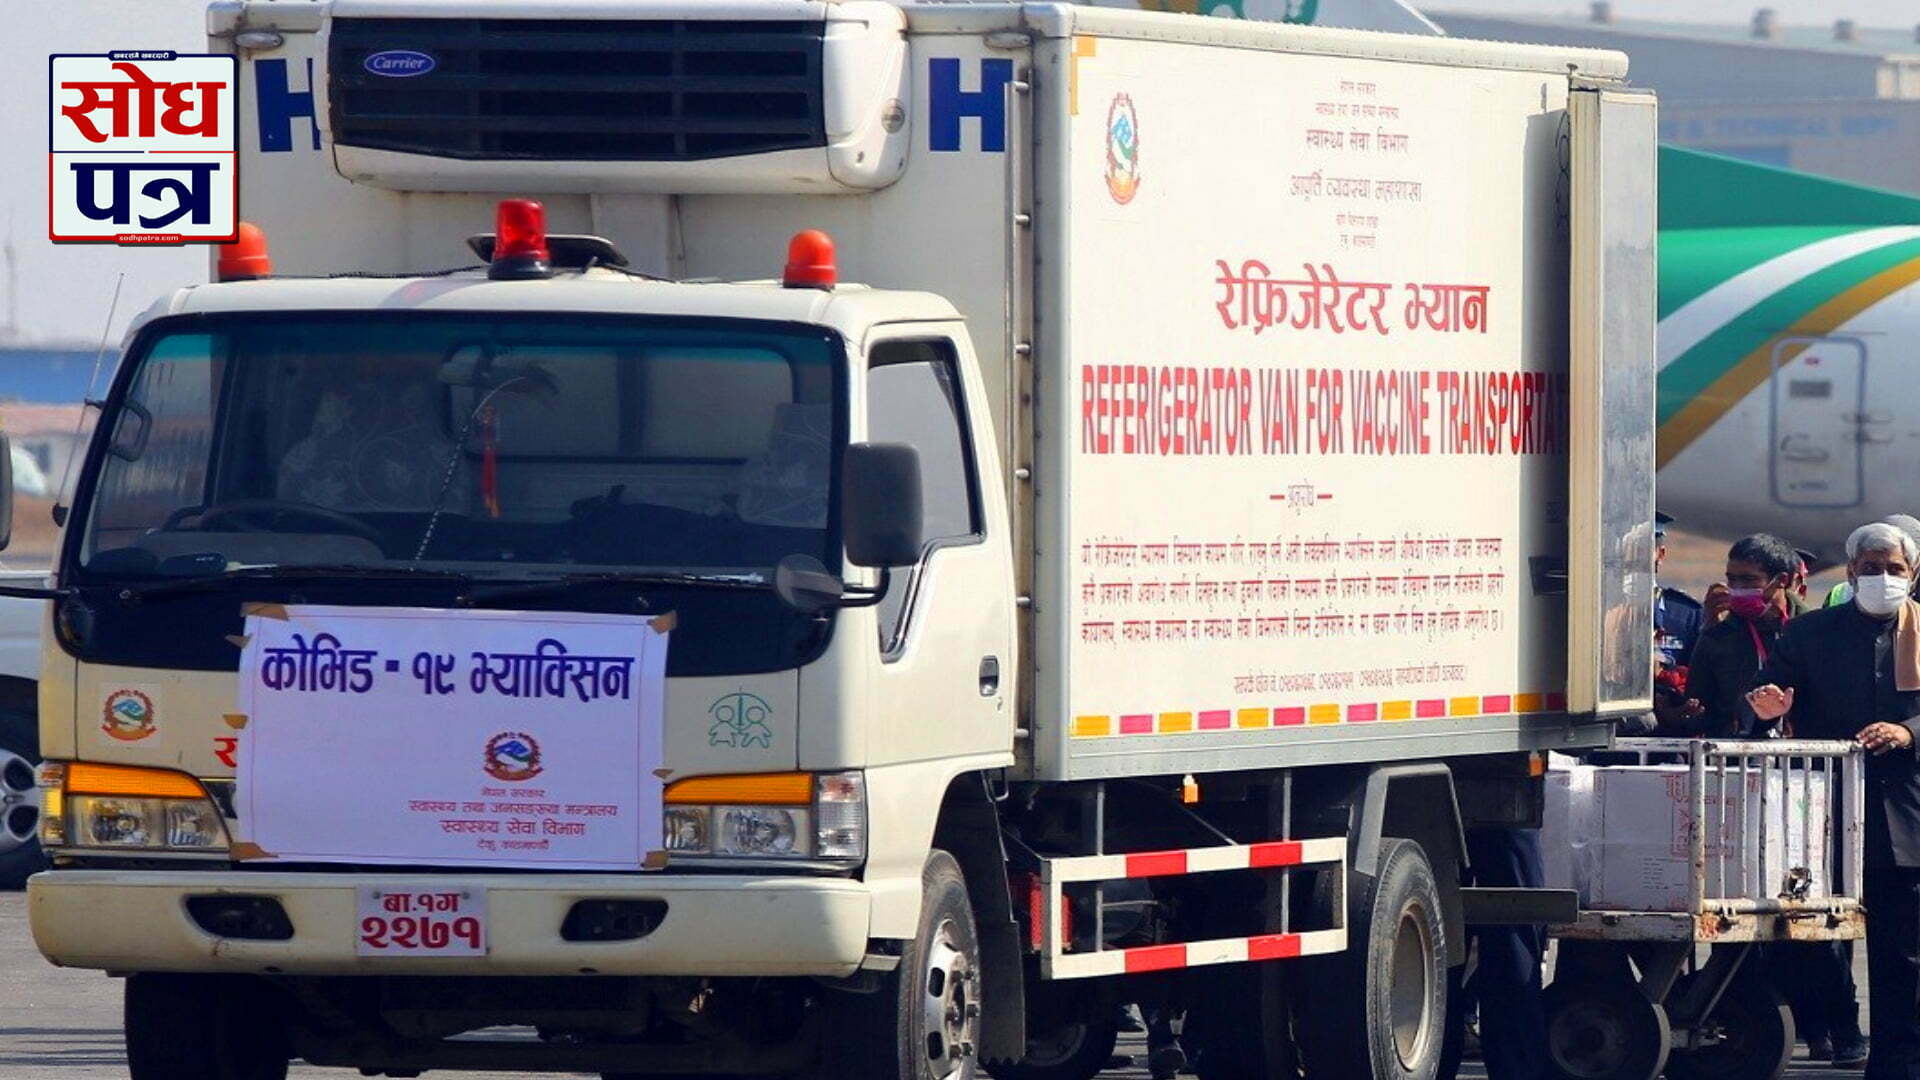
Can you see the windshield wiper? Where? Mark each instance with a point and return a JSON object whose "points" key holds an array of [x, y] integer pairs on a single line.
{"points": [[307, 572], [569, 583]]}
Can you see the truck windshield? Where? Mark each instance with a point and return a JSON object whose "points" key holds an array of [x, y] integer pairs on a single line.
{"points": [[500, 447]]}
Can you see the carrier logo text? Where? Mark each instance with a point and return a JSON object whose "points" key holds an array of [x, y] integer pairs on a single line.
{"points": [[399, 63]]}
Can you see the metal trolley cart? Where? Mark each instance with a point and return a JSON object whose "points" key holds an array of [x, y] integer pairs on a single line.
{"points": [[1630, 997]]}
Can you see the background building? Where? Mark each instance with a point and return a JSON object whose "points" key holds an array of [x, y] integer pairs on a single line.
{"points": [[1840, 100]]}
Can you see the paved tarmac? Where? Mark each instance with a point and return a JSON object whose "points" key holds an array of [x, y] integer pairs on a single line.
{"points": [[57, 1024]]}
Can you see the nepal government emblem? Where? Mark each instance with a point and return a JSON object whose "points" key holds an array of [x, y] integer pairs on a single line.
{"points": [[128, 716], [512, 755], [1123, 150]]}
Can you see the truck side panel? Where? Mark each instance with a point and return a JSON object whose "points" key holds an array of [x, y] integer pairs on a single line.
{"points": [[1312, 339]]}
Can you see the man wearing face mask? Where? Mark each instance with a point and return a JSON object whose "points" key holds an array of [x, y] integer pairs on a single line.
{"points": [[1853, 672], [1760, 602]]}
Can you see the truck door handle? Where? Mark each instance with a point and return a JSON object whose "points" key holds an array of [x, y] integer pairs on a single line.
{"points": [[989, 676]]}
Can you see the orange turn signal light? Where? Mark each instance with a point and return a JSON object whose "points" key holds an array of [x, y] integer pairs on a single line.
{"points": [[92, 778], [743, 789]]}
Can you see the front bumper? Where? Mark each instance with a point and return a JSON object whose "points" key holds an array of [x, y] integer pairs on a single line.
{"points": [[128, 920]]}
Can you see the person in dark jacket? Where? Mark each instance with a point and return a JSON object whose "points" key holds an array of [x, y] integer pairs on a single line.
{"points": [[1761, 571], [1853, 672], [1766, 588]]}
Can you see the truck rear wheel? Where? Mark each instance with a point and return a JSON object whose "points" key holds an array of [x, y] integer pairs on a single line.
{"points": [[202, 1027], [923, 1023], [1379, 1008], [20, 854]]}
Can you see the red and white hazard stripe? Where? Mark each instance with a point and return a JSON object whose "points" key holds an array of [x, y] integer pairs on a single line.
{"points": [[1057, 963]]}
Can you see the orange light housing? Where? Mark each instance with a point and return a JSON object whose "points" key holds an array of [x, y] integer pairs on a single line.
{"points": [[92, 778], [245, 258], [810, 261], [743, 789]]}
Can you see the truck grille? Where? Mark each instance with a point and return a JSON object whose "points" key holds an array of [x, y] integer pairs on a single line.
{"points": [[576, 90]]}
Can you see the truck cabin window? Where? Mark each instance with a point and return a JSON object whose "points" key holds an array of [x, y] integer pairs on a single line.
{"points": [[517, 447], [913, 397]]}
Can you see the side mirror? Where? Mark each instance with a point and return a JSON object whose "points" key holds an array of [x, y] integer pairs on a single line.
{"points": [[880, 504], [6, 491], [804, 584]]}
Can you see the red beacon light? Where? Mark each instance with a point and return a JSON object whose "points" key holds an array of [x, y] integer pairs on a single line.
{"points": [[246, 257], [810, 261], [520, 242]]}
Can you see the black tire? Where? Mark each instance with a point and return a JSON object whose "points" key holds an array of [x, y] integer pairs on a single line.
{"points": [[203, 1027], [1604, 1029], [20, 855], [923, 1022], [1075, 1050], [1379, 1009], [1754, 1030]]}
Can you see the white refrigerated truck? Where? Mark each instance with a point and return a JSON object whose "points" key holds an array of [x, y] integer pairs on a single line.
{"points": [[1234, 470]]}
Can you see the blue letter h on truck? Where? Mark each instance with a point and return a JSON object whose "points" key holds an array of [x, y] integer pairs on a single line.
{"points": [[279, 105], [948, 104]]}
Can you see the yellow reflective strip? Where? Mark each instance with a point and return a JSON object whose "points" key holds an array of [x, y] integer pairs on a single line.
{"points": [[1463, 706], [1323, 714], [1086, 726], [1176, 721], [1529, 703], [1396, 710], [1255, 717]]}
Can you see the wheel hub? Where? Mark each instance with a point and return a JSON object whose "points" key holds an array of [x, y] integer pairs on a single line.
{"points": [[19, 802], [949, 1005], [1411, 999], [1590, 1039]]}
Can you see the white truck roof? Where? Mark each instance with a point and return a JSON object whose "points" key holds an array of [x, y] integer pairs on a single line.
{"points": [[848, 308]]}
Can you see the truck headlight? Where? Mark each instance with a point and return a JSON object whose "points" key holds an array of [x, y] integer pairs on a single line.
{"points": [[801, 816], [120, 807]]}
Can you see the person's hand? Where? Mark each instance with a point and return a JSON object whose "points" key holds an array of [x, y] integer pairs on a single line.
{"points": [[1882, 737], [1770, 702], [1714, 603]]}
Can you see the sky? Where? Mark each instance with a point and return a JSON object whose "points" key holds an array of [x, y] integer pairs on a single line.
{"points": [[62, 293]]}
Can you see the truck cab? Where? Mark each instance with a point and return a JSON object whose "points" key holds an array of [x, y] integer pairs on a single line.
{"points": [[582, 439]]}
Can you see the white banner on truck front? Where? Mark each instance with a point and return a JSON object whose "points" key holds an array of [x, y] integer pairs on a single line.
{"points": [[1318, 413], [431, 737]]}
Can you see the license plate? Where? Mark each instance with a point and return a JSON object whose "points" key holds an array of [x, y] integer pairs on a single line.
{"points": [[445, 921]]}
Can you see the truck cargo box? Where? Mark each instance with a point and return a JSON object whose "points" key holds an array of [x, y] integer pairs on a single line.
{"points": [[1302, 351]]}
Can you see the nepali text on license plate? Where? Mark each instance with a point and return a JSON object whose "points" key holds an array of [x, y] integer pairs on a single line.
{"points": [[450, 921]]}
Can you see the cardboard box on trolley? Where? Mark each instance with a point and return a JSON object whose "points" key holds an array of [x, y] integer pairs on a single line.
{"points": [[1621, 835]]}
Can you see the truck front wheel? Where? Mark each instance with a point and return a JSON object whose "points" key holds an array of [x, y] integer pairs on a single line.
{"points": [[1379, 1008], [923, 1022], [203, 1027]]}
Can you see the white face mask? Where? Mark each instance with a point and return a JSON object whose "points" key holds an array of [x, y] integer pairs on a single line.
{"points": [[1880, 594]]}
